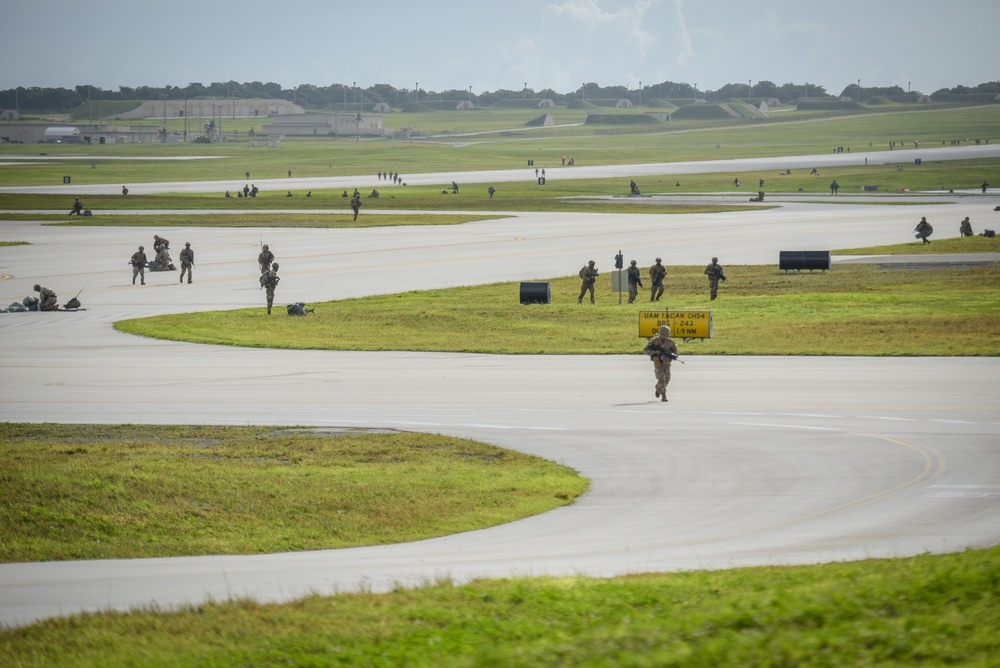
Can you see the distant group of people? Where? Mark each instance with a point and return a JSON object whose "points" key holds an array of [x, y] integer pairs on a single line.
{"points": [[657, 273], [924, 230], [161, 260], [391, 176]]}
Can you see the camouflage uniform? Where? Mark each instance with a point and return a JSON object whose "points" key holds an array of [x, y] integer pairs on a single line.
{"points": [[187, 262], [634, 281], [47, 300], [715, 274], [162, 260], [356, 204], [588, 274], [923, 230], [265, 259], [660, 348], [270, 282], [138, 263], [656, 275]]}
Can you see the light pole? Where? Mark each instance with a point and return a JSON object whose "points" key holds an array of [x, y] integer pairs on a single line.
{"points": [[749, 89], [696, 92], [640, 93], [416, 91], [354, 86], [859, 91], [525, 90]]}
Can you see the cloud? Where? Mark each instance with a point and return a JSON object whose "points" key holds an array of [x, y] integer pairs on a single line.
{"points": [[626, 21], [685, 44]]}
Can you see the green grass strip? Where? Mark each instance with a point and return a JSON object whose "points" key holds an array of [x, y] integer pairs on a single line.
{"points": [[256, 219], [926, 611], [114, 492], [851, 310]]}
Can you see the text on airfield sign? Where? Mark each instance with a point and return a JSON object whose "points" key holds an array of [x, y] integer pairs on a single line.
{"points": [[682, 324]]}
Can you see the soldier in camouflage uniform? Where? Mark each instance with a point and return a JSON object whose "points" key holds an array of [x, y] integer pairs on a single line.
{"points": [[662, 350], [187, 262], [634, 282], [265, 259], [269, 282], [715, 274], [588, 274], [47, 300], [138, 263], [656, 275]]}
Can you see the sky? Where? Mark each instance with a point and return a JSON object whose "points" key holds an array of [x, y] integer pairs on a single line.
{"points": [[920, 45]]}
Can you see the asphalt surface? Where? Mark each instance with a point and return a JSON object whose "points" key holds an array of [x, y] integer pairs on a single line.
{"points": [[754, 460]]}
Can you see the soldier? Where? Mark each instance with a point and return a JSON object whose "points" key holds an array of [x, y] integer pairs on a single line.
{"points": [[662, 350], [588, 274], [265, 259], [187, 262], [634, 282], [923, 230], [715, 274], [656, 275], [138, 263], [269, 282], [162, 261], [77, 207], [965, 227], [356, 204], [159, 242], [46, 299]]}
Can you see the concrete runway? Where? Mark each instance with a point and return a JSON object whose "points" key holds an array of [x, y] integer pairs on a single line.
{"points": [[755, 460]]}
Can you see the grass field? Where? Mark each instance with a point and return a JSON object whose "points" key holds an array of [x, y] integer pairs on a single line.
{"points": [[921, 611], [129, 491], [788, 134], [851, 310]]}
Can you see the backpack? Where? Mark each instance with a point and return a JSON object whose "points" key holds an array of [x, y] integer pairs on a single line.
{"points": [[989, 233], [269, 280], [298, 308]]}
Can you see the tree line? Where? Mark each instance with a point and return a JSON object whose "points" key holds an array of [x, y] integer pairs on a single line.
{"points": [[340, 96]]}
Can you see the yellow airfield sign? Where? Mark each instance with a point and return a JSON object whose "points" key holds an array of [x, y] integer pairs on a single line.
{"points": [[682, 324]]}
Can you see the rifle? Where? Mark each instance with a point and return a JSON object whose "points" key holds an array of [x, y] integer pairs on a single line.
{"points": [[81, 291], [672, 355]]}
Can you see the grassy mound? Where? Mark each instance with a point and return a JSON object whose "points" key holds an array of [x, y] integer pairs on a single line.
{"points": [[701, 112], [110, 492], [622, 119], [828, 104]]}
